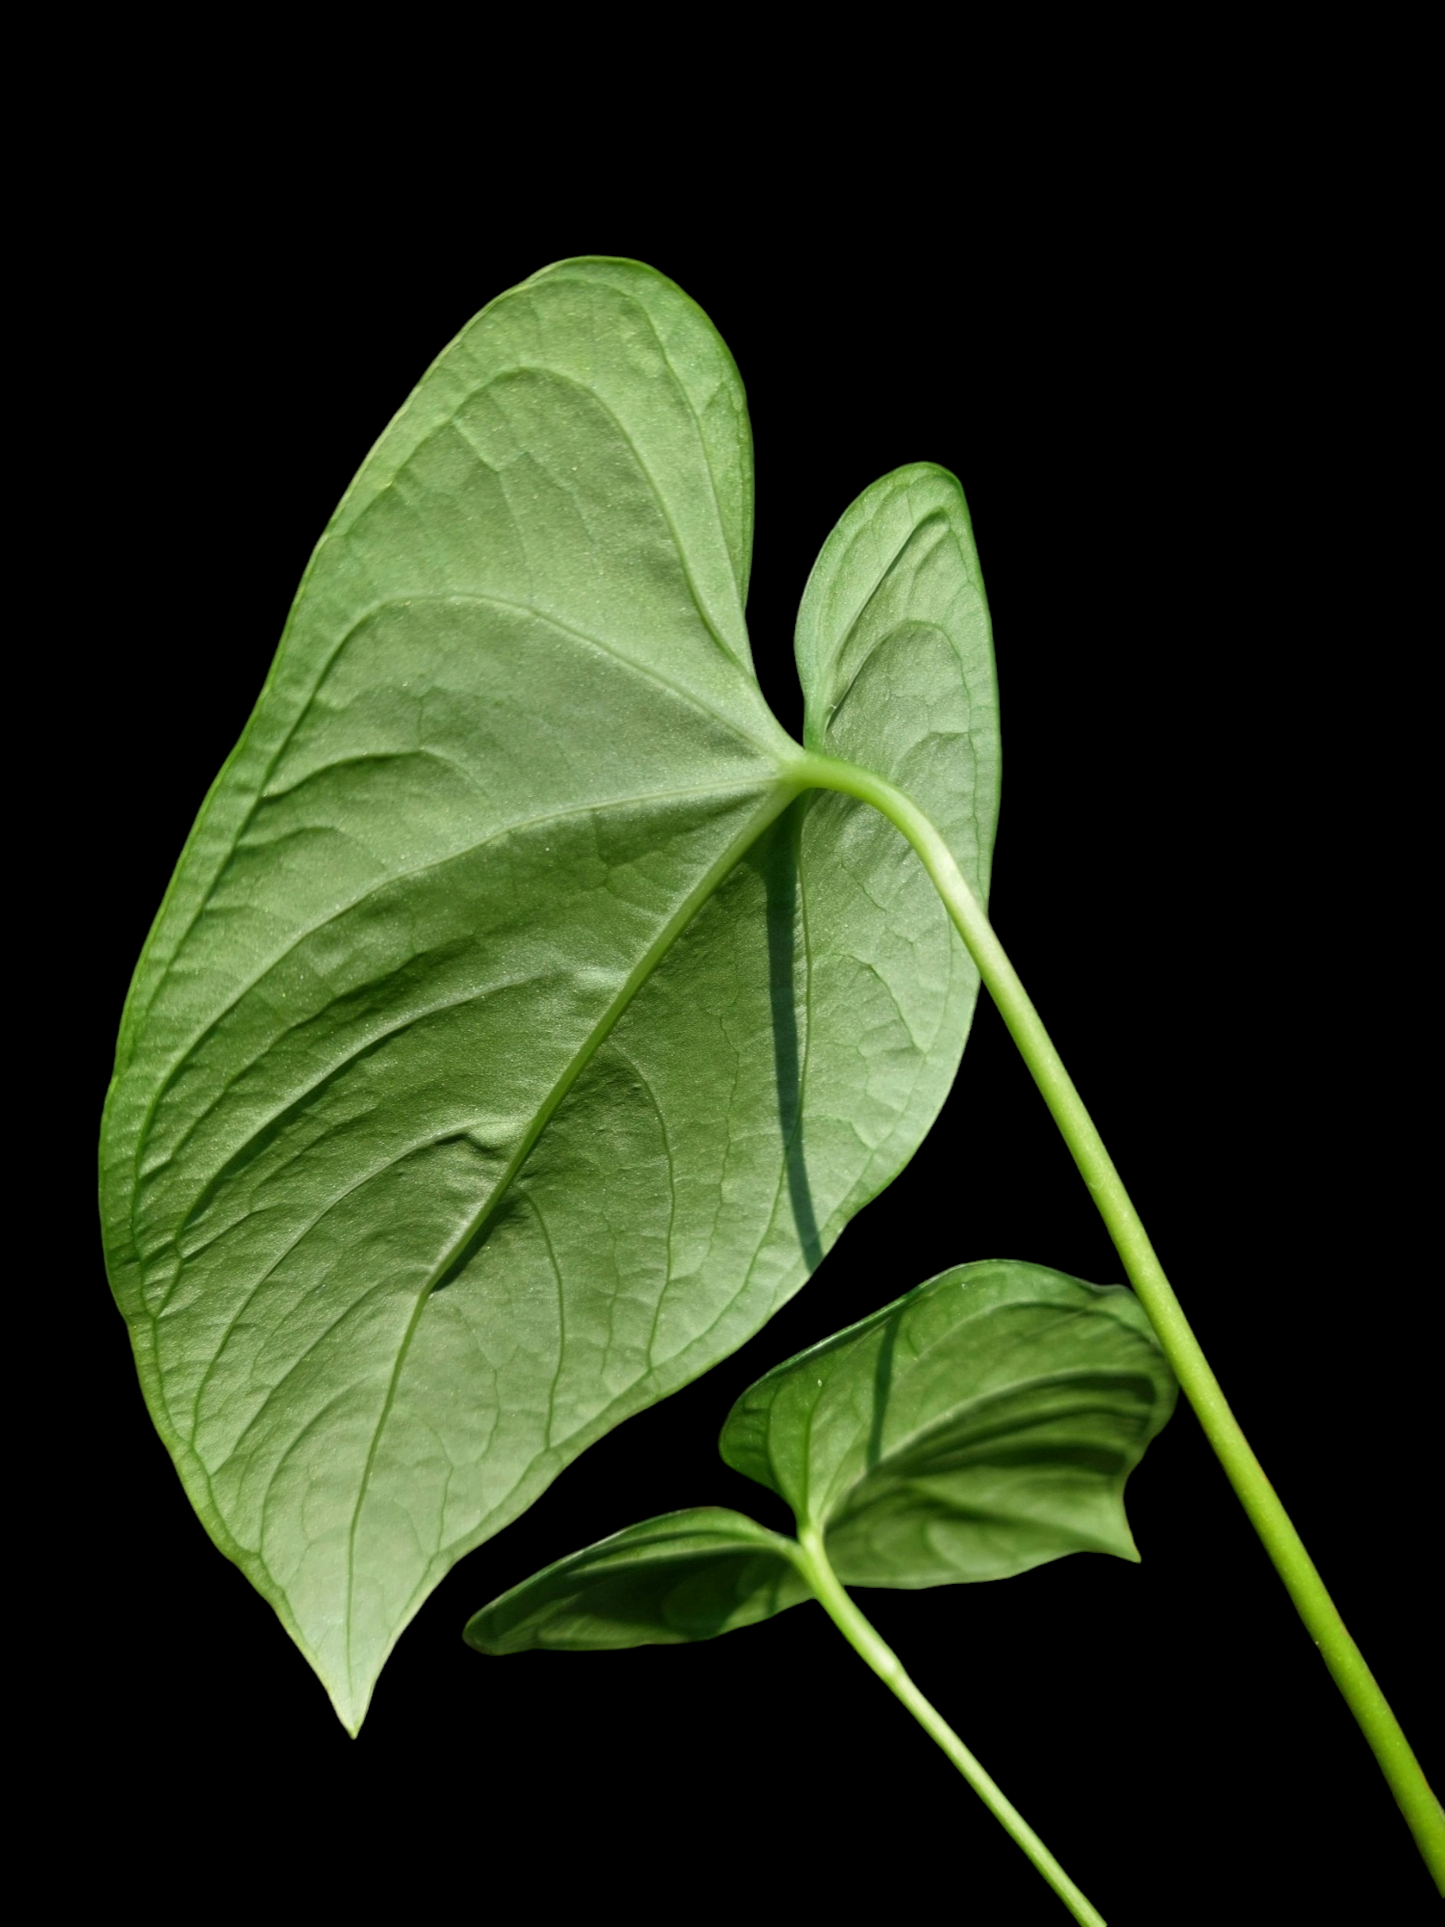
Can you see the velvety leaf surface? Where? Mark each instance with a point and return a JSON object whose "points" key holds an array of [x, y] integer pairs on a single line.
{"points": [[510, 1044], [983, 1424], [683, 1576]]}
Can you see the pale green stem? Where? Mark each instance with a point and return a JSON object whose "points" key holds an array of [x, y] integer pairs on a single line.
{"points": [[1412, 1791], [812, 1561]]}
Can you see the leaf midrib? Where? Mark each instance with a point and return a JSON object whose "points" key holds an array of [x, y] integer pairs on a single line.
{"points": [[776, 801], [401, 876]]}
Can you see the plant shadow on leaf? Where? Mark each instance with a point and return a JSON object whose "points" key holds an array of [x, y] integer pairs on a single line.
{"points": [[777, 859]]}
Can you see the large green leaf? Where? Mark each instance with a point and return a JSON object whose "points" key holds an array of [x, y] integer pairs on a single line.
{"points": [[983, 1424], [514, 1038]]}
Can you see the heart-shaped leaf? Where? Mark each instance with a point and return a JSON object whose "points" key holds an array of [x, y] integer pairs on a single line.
{"points": [[514, 1037], [983, 1424]]}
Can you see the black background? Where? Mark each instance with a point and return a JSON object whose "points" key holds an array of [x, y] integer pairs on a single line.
{"points": [[1180, 454]]}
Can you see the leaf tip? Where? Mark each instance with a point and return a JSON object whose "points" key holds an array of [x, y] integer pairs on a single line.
{"points": [[350, 1707]]}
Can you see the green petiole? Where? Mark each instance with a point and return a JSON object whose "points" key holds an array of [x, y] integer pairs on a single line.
{"points": [[833, 1597], [1413, 1794]]}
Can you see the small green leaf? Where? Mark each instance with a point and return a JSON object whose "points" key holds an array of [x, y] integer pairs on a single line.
{"points": [[983, 1424], [684, 1576]]}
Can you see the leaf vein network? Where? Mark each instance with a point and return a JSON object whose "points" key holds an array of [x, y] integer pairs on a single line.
{"points": [[502, 834]]}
